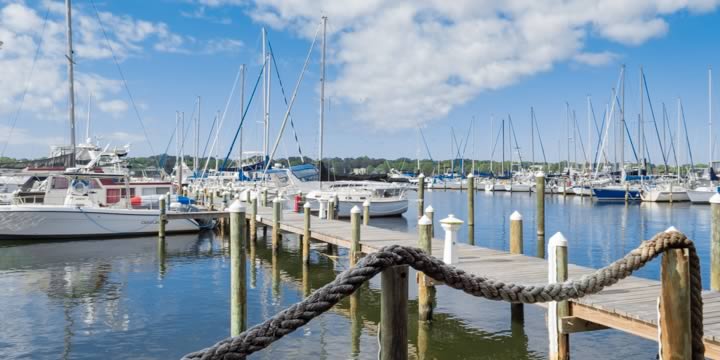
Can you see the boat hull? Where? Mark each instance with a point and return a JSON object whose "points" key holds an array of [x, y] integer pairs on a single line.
{"points": [[664, 196], [610, 194], [60, 222], [700, 196]]}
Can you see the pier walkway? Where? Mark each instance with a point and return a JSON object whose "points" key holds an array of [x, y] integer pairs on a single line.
{"points": [[630, 306]]}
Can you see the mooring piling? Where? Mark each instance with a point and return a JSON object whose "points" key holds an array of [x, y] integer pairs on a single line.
{"points": [[331, 209], [674, 317], [277, 214], [430, 213], [715, 243], [517, 312], [238, 291], [426, 292], [471, 208], [163, 218], [306, 234], [540, 213], [366, 212], [421, 194], [557, 273], [393, 313], [355, 234], [253, 218]]}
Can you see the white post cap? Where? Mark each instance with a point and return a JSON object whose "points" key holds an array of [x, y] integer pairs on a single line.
{"points": [[540, 174], [451, 220], [307, 205], [424, 220], [421, 175], [515, 216], [366, 203], [277, 200], [429, 209], [236, 207], [558, 240], [672, 229], [355, 210], [470, 175], [715, 199]]}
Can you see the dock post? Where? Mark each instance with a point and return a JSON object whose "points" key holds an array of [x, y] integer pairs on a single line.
{"points": [[627, 193], [253, 219], [394, 314], [426, 293], [322, 209], [430, 213], [238, 291], [366, 212], [540, 213], [557, 272], [355, 325], [517, 313], [715, 243], [355, 238], [212, 200], [331, 209], [306, 234], [451, 225], [163, 218], [263, 199], [277, 213], [471, 208], [421, 195], [675, 340], [336, 210]]}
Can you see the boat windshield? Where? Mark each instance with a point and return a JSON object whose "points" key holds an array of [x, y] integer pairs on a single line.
{"points": [[305, 173]]}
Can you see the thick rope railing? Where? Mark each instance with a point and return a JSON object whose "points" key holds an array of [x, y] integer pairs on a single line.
{"points": [[262, 335]]}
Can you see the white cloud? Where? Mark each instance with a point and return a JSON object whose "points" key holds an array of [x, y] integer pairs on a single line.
{"points": [[402, 63], [596, 59], [115, 107], [215, 46]]}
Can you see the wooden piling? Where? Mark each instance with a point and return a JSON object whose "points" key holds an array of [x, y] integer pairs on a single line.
{"points": [[517, 313], [336, 199], [355, 236], [331, 209], [426, 293], [540, 213], [212, 201], [430, 213], [253, 219], [277, 213], [715, 243], [557, 272], [421, 194], [238, 291], [356, 325], [306, 234], [163, 218], [366, 212], [393, 314], [675, 341], [264, 198], [471, 208]]}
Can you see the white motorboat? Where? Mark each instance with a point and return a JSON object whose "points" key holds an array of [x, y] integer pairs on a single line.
{"points": [[519, 187], [82, 217]]}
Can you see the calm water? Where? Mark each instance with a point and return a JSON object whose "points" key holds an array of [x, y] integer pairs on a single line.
{"points": [[123, 299]]}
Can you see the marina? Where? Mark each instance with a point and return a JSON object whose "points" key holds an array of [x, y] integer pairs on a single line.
{"points": [[242, 186]]}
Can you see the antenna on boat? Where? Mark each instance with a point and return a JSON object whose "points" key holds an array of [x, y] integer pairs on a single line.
{"points": [[71, 80]]}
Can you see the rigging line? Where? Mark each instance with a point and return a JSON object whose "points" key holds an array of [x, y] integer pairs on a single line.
{"points": [[687, 138], [597, 129], [27, 84], [666, 126], [242, 120], [577, 131], [222, 119], [426, 144], [167, 148], [124, 81], [652, 112], [517, 146], [542, 148], [212, 127], [617, 100], [292, 101], [282, 90]]}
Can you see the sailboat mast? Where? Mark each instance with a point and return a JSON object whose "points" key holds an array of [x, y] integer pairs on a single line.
{"points": [[678, 139], [492, 138], [177, 151], [71, 80], [710, 132], [532, 135], [589, 141], [87, 128], [242, 112], [197, 139], [322, 97], [266, 91], [622, 122], [503, 147], [641, 119]]}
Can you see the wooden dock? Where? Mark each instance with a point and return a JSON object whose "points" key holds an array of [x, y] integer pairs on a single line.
{"points": [[630, 306]]}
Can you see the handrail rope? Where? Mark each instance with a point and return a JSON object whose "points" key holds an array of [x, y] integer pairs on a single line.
{"points": [[346, 283]]}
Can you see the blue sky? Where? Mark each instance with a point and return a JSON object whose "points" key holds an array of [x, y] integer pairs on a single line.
{"points": [[391, 67]]}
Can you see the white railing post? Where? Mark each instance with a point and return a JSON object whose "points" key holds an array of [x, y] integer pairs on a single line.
{"points": [[557, 273]]}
